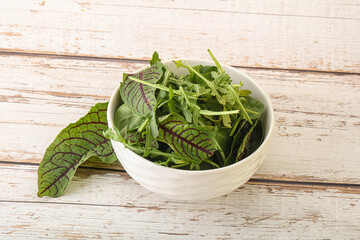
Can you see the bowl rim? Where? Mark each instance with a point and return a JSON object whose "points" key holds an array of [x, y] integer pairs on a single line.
{"points": [[145, 161]]}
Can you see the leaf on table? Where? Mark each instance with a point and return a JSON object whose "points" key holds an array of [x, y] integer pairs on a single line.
{"points": [[74, 145], [140, 98], [189, 141]]}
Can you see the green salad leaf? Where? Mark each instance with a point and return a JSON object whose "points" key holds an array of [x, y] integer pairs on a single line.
{"points": [[74, 145]]}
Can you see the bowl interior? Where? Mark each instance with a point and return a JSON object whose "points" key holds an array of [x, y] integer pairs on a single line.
{"points": [[236, 76]]}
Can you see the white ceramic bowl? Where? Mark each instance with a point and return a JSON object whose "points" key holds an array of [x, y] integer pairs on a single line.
{"points": [[195, 185]]}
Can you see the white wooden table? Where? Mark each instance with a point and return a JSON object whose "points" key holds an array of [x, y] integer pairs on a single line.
{"points": [[58, 58]]}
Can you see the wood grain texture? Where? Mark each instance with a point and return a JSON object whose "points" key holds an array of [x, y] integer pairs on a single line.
{"points": [[320, 35], [317, 117], [110, 205]]}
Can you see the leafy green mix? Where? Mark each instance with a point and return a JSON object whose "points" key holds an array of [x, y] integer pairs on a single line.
{"points": [[197, 121]]}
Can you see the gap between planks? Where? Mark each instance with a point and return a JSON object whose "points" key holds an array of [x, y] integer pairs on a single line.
{"points": [[7, 52], [352, 188]]}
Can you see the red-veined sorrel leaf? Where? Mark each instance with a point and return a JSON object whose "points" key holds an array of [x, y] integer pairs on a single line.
{"points": [[138, 97], [190, 141], [74, 145]]}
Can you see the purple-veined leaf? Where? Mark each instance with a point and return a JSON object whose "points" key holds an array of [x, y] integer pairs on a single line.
{"points": [[139, 97], [74, 145], [189, 141]]}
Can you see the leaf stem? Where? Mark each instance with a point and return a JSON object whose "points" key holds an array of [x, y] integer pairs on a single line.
{"points": [[213, 120], [213, 113], [148, 141], [212, 163], [237, 100], [143, 125], [205, 92], [188, 102], [153, 151], [158, 86], [220, 69], [235, 126], [180, 165], [174, 80], [185, 97], [251, 111], [166, 77]]}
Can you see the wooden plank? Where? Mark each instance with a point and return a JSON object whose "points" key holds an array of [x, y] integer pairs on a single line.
{"points": [[317, 117], [321, 36], [109, 205], [306, 8]]}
